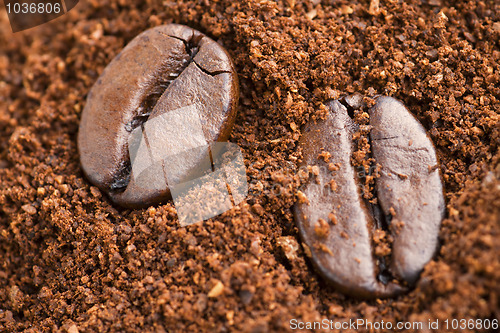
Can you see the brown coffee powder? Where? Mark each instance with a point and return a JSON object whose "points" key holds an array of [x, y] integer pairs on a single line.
{"points": [[70, 261]]}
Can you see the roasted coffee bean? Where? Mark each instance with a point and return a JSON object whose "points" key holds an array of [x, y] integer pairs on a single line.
{"points": [[168, 70], [337, 222]]}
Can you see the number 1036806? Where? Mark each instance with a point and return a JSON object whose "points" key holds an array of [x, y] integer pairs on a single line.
{"points": [[33, 8], [472, 324]]}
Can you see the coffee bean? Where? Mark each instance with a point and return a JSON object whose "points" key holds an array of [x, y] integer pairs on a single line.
{"points": [[350, 232], [171, 86]]}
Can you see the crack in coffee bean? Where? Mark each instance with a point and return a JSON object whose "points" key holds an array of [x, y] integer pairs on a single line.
{"points": [[143, 112], [370, 233], [163, 81], [162, 70], [122, 177]]}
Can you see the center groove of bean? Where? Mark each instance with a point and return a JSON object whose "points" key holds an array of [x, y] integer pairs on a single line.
{"points": [[158, 88], [380, 220]]}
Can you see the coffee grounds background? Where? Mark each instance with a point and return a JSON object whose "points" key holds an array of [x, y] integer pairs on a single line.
{"points": [[70, 261]]}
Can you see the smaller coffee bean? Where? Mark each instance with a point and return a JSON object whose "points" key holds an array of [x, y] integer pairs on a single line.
{"points": [[370, 244], [154, 111]]}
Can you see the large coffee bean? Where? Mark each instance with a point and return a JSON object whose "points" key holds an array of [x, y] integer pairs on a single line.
{"points": [[171, 87], [342, 227]]}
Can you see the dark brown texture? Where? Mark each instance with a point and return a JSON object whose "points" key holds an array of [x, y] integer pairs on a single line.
{"points": [[337, 222], [71, 260], [162, 70]]}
